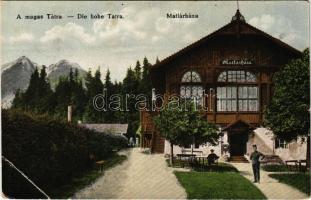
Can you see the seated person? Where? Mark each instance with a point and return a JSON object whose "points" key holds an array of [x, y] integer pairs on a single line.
{"points": [[212, 157]]}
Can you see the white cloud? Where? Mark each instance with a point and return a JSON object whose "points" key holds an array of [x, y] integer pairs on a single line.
{"points": [[23, 37], [279, 27], [132, 27], [67, 32], [163, 25], [263, 22]]}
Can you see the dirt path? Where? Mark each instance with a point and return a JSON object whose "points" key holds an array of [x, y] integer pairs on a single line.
{"points": [[271, 188], [141, 176]]}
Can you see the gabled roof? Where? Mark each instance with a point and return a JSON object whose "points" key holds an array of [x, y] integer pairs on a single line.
{"points": [[236, 123], [237, 20], [107, 128]]}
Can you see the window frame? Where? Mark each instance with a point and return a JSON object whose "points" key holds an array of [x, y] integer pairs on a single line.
{"points": [[192, 85], [237, 85]]}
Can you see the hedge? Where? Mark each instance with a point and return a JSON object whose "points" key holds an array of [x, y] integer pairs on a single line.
{"points": [[49, 152]]}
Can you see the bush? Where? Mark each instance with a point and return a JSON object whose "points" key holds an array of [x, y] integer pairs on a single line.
{"points": [[275, 168], [48, 151]]}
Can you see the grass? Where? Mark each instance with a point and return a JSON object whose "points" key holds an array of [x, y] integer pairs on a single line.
{"points": [[213, 185], [275, 168], [220, 167], [300, 181], [84, 180]]}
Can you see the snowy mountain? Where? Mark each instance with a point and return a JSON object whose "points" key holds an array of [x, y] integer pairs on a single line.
{"points": [[62, 69], [16, 75]]}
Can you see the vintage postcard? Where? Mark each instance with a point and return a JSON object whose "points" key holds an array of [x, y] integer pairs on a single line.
{"points": [[155, 99]]}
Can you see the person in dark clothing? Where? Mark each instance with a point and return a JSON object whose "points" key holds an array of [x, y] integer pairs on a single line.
{"points": [[212, 157], [255, 156]]}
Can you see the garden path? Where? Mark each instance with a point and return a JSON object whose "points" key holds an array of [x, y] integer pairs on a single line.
{"points": [[141, 176], [271, 188]]}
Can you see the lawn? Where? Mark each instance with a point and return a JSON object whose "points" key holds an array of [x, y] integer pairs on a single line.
{"points": [[220, 167], [300, 181], [84, 180], [215, 185]]}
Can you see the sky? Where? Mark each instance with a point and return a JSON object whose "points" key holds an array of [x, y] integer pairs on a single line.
{"points": [[144, 30]]}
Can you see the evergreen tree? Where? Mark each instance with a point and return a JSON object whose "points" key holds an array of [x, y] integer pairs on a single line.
{"points": [[94, 87], [146, 85], [137, 70]]}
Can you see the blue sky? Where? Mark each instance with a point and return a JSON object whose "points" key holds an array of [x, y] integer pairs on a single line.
{"points": [[144, 31]]}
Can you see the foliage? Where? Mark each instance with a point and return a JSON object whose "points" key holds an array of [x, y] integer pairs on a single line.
{"points": [[48, 151], [213, 185], [38, 94], [185, 126], [300, 181], [275, 168], [288, 114]]}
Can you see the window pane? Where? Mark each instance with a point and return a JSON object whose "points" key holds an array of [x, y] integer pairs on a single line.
{"points": [[186, 77], [229, 92], [242, 105], [233, 92], [200, 91], [233, 105], [250, 77], [195, 77], [222, 77], [252, 91], [223, 105], [221, 92], [253, 105], [194, 91], [188, 91], [229, 105], [182, 91]]}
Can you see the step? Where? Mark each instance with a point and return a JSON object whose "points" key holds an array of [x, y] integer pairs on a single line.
{"points": [[241, 159]]}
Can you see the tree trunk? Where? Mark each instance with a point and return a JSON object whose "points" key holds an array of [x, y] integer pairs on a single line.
{"points": [[172, 155], [308, 151]]}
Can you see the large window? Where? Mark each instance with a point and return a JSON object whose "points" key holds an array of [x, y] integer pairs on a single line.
{"points": [[235, 94], [226, 98], [191, 86]]}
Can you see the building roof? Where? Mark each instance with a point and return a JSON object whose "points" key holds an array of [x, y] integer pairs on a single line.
{"points": [[238, 122], [107, 128], [237, 20]]}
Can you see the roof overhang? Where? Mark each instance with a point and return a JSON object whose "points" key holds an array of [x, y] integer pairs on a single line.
{"points": [[239, 123], [222, 31]]}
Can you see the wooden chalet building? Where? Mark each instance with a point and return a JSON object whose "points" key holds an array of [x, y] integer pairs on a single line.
{"points": [[233, 65]]}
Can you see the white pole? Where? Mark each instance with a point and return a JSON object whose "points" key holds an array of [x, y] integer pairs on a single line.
{"points": [[24, 175]]}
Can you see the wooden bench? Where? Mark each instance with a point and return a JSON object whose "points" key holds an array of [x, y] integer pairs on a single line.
{"points": [[296, 165], [100, 165], [185, 157]]}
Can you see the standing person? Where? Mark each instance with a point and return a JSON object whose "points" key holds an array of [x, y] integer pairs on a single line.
{"points": [[255, 156], [131, 141]]}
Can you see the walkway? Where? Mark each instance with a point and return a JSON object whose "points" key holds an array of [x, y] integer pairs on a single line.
{"points": [[141, 176], [271, 188]]}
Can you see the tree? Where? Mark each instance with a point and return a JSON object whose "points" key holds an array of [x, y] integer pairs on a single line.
{"points": [[288, 114], [94, 87], [146, 85], [184, 126], [38, 94], [137, 70]]}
